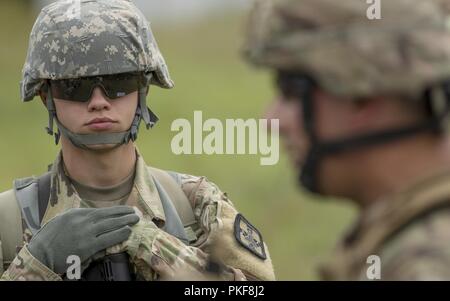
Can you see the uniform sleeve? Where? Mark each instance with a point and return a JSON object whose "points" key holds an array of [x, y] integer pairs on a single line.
{"points": [[27, 268], [219, 231]]}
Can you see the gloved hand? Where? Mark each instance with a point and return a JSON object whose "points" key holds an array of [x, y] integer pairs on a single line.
{"points": [[82, 232]]}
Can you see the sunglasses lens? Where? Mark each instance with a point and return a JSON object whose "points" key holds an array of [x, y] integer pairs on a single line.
{"points": [[80, 90], [71, 89], [120, 85]]}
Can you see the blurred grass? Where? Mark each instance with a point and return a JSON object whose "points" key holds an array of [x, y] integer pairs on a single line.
{"points": [[205, 63]]}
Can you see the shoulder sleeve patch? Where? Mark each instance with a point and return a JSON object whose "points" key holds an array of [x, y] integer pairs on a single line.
{"points": [[249, 237]]}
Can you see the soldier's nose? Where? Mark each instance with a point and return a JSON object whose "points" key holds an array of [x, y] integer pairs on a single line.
{"points": [[98, 101]]}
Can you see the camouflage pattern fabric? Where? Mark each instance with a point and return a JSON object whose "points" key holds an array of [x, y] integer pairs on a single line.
{"points": [[156, 254], [27, 268], [346, 53], [81, 38], [408, 231]]}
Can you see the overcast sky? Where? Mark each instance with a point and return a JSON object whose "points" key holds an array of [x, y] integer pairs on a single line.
{"points": [[180, 10]]}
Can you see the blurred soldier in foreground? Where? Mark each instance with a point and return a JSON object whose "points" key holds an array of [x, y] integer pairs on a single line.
{"points": [[363, 108], [92, 63]]}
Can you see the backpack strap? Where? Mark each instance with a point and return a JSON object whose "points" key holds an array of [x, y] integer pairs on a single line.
{"points": [[171, 183], [32, 195], [43, 193], [173, 224], [11, 234], [24, 206]]}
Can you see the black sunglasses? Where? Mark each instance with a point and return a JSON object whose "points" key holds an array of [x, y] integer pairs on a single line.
{"points": [[80, 89]]}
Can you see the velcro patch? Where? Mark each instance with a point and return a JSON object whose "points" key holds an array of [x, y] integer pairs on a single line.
{"points": [[249, 237]]}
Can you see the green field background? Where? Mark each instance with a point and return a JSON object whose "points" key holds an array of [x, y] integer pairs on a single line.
{"points": [[205, 63]]}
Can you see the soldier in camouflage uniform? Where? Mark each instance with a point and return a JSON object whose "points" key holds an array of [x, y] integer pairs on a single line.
{"points": [[363, 107], [92, 63]]}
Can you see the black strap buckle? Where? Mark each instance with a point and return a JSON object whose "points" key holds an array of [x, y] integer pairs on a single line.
{"points": [[107, 270]]}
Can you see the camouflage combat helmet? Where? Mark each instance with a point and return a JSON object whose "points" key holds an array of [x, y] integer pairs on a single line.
{"points": [[404, 52], [81, 38], [335, 46]]}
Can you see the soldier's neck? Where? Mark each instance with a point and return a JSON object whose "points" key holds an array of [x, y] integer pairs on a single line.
{"points": [[99, 168], [399, 167]]}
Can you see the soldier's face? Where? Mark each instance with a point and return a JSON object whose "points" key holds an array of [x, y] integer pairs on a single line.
{"points": [[98, 115]]}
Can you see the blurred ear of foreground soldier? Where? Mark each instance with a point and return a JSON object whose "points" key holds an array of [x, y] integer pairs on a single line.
{"points": [[363, 109], [92, 63]]}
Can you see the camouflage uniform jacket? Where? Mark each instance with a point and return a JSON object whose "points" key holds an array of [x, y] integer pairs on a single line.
{"points": [[409, 231], [155, 253]]}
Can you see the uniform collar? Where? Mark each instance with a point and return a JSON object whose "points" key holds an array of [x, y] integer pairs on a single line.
{"points": [[148, 193], [63, 195]]}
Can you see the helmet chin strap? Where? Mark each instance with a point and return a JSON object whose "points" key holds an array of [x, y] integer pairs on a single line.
{"points": [[309, 175], [85, 140]]}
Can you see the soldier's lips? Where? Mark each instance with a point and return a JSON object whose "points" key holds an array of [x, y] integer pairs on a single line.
{"points": [[107, 125], [102, 124]]}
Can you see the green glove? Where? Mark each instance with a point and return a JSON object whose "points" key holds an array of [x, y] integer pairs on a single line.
{"points": [[82, 232]]}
